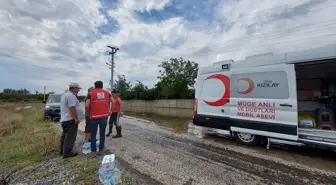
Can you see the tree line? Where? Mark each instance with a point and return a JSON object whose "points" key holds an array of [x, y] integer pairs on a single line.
{"points": [[22, 95], [176, 81]]}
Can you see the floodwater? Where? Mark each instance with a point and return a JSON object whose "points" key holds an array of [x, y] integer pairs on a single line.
{"points": [[177, 125]]}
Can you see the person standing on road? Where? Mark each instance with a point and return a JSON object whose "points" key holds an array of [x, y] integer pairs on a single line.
{"points": [[98, 101], [116, 112], [87, 119], [70, 112]]}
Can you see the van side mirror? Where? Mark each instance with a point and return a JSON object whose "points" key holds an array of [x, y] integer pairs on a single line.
{"points": [[44, 101]]}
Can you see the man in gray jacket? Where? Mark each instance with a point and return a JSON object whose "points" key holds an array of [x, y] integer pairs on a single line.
{"points": [[70, 118]]}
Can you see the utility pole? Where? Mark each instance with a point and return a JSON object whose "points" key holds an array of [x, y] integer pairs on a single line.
{"points": [[111, 63], [44, 94]]}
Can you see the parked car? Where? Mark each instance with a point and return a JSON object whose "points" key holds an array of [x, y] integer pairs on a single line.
{"points": [[52, 107]]}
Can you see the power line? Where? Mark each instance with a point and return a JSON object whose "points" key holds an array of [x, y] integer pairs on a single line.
{"points": [[263, 11], [226, 51], [246, 38], [279, 17], [269, 44], [270, 9], [282, 6], [271, 37]]}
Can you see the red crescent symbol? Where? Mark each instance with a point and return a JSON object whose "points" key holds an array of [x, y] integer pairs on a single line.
{"points": [[226, 96], [250, 83]]}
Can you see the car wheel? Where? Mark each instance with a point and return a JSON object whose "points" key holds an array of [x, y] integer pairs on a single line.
{"points": [[247, 139]]}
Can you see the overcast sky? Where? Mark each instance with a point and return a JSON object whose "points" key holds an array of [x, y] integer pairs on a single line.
{"points": [[56, 42]]}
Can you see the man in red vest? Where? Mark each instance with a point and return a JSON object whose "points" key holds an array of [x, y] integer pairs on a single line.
{"points": [[98, 102], [116, 112]]}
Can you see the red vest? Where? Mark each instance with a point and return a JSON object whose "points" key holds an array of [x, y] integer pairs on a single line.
{"points": [[116, 107], [100, 103]]}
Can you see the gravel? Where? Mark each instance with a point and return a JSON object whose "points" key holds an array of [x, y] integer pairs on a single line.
{"points": [[171, 158]]}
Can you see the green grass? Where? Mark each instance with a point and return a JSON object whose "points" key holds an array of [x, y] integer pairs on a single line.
{"points": [[24, 137], [26, 141], [85, 167], [44, 174]]}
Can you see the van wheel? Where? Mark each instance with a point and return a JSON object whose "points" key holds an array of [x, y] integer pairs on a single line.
{"points": [[247, 139]]}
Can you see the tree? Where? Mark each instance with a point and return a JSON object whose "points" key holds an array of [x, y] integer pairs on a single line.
{"points": [[16, 91], [140, 91], [122, 85], [177, 76]]}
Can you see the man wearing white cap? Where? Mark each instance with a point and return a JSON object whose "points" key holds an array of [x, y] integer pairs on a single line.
{"points": [[70, 118]]}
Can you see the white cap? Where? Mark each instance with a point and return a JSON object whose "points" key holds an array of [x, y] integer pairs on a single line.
{"points": [[75, 85]]}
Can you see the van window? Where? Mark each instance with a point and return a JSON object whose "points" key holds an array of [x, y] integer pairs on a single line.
{"points": [[261, 85]]}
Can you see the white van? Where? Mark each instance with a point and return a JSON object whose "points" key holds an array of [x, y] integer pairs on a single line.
{"points": [[288, 97]]}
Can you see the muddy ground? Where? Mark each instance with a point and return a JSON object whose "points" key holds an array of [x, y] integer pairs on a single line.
{"points": [[156, 150], [169, 156]]}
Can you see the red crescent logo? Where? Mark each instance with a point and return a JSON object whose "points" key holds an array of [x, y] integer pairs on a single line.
{"points": [[226, 96], [250, 84]]}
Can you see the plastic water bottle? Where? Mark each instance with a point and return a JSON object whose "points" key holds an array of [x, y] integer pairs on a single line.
{"points": [[111, 177], [97, 145], [86, 148], [108, 173]]}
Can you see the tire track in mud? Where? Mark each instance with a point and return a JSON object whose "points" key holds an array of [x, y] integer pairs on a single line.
{"points": [[271, 172]]}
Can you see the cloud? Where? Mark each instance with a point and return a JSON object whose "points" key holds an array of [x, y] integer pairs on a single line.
{"points": [[59, 42], [144, 5]]}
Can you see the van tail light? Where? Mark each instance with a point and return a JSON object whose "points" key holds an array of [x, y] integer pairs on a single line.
{"points": [[195, 107]]}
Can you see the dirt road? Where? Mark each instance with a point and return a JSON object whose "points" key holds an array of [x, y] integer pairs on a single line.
{"points": [[184, 159]]}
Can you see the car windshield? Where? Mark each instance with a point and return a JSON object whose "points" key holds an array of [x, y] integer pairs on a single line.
{"points": [[54, 99]]}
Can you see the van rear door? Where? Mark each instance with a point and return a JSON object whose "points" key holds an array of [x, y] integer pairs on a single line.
{"points": [[213, 98], [264, 101]]}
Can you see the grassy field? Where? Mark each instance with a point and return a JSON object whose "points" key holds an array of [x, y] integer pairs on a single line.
{"points": [[29, 152], [27, 143]]}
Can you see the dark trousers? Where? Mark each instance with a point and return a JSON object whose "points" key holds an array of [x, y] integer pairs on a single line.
{"points": [[94, 123], [114, 119], [68, 137]]}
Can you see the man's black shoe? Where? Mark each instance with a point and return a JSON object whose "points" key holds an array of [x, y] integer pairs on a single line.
{"points": [[108, 134], [61, 153], [116, 136], [70, 155]]}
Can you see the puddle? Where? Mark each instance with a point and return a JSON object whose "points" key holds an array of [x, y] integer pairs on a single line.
{"points": [[177, 125]]}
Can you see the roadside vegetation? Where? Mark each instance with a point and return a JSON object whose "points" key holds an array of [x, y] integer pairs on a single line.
{"points": [[29, 151]]}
